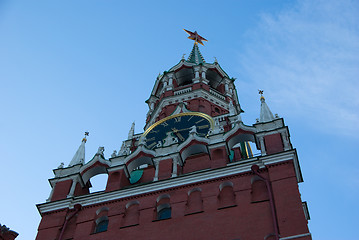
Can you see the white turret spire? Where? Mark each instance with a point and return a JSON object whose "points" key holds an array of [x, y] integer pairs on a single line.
{"points": [[132, 131], [79, 157], [265, 115]]}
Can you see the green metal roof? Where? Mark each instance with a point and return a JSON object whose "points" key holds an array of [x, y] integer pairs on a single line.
{"points": [[195, 56]]}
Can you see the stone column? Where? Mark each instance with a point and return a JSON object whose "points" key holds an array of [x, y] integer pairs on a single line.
{"points": [[174, 171], [196, 74], [285, 140], [72, 189], [156, 170], [170, 82], [263, 148]]}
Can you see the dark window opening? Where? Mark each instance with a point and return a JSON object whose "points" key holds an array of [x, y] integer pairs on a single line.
{"points": [[101, 226], [164, 213]]}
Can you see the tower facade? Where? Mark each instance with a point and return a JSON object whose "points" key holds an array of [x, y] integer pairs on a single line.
{"points": [[190, 175]]}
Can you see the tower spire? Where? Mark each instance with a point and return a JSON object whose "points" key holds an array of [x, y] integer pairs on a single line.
{"points": [[79, 157], [265, 115], [195, 56]]}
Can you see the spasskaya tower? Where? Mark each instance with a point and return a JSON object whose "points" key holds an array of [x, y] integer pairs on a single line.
{"points": [[195, 172]]}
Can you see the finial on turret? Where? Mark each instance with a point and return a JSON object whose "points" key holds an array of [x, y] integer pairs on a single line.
{"points": [[261, 93], [85, 139]]}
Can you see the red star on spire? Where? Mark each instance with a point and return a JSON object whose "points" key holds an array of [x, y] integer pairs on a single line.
{"points": [[195, 36]]}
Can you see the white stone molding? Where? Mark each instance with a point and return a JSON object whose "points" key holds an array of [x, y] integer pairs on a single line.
{"points": [[285, 139], [175, 162], [199, 176], [191, 138], [63, 172], [267, 126], [156, 163], [283, 131], [131, 161], [182, 91], [262, 145], [217, 94], [296, 236]]}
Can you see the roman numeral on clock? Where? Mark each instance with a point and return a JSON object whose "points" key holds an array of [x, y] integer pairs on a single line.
{"points": [[151, 145], [199, 121], [203, 126]]}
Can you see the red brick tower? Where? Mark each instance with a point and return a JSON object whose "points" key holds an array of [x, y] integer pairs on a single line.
{"points": [[190, 175]]}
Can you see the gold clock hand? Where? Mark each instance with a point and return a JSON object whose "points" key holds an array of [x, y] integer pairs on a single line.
{"points": [[179, 135]]}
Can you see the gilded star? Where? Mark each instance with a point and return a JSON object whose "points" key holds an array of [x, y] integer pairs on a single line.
{"points": [[195, 36]]}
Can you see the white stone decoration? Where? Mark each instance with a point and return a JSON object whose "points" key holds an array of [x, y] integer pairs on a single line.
{"points": [[159, 144], [169, 140], [114, 154], [232, 110], [100, 151], [132, 131], [193, 130], [125, 150], [218, 128]]}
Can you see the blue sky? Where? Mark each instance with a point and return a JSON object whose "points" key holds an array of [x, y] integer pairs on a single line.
{"points": [[73, 66]]}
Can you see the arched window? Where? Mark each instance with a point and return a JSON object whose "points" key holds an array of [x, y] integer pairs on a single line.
{"points": [[101, 220], [131, 215], [194, 201], [259, 191], [226, 195], [101, 224], [163, 207], [163, 211]]}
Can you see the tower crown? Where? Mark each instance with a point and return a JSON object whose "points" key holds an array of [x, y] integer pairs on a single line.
{"points": [[194, 84]]}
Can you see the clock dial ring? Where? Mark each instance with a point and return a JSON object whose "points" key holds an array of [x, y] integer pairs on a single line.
{"points": [[177, 126]]}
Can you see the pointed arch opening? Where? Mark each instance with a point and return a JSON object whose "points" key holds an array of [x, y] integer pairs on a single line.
{"points": [[98, 182], [184, 76]]}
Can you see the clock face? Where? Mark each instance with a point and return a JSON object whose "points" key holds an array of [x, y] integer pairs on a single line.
{"points": [[177, 126]]}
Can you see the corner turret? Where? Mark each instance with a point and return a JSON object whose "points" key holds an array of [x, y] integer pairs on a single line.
{"points": [[265, 115], [79, 157], [272, 135]]}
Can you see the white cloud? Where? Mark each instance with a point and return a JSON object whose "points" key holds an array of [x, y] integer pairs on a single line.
{"points": [[309, 56]]}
